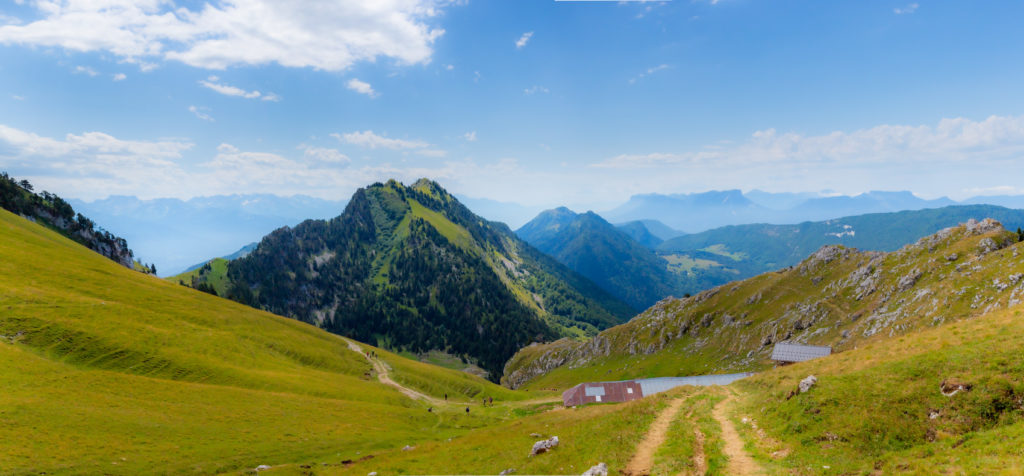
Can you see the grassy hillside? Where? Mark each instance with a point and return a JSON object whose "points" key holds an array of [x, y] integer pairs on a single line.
{"points": [[212, 276], [106, 370], [839, 297]]}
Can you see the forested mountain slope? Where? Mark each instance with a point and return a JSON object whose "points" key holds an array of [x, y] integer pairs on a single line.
{"points": [[605, 254], [411, 268]]}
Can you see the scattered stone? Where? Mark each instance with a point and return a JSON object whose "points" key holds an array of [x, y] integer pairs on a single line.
{"points": [[933, 414], [372, 474], [987, 245], [1014, 278], [952, 386], [952, 257], [507, 471], [908, 280], [535, 435], [600, 469], [544, 446], [408, 448], [807, 383], [262, 467]]}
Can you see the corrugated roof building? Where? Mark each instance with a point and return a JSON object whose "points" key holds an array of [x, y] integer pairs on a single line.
{"points": [[627, 390], [790, 353]]}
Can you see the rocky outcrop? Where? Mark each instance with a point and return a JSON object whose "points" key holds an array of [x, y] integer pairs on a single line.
{"points": [[600, 469], [807, 383]]}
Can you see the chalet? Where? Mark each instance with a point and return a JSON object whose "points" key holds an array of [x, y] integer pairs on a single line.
{"points": [[786, 354], [627, 390]]}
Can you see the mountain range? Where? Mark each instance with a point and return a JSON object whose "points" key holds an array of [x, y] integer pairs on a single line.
{"points": [[410, 267], [591, 246], [697, 212]]}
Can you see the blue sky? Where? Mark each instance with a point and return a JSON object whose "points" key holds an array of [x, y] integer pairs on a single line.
{"points": [[536, 102]]}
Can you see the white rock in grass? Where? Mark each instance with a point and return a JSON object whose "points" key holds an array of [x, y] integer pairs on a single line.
{"points": [[600, 470], [807, 383], [543, 446]]}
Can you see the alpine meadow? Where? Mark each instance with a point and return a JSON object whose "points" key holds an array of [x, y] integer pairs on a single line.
{"points": [[541, 237]]}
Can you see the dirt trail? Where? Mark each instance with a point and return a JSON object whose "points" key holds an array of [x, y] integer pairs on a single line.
{"points": [[643, 459], [382, 375], [739, 461]]}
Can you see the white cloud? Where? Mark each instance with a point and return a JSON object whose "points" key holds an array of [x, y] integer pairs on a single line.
{"points": [[199, 112], [535, 90], [648, 72], [449, 67], [120, 77], [361, 87], [911, 8], [436, 153], [326, 35], [951, 140], [86, 70], [523, 40], [17, 98], [370, 140], [324, 155], [470, 136], [228, 90]]}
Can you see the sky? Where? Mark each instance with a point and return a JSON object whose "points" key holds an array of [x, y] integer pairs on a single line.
{"points": [[537, 102]]}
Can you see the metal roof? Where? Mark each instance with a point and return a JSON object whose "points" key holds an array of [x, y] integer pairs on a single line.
{"points": [[799, 353]]}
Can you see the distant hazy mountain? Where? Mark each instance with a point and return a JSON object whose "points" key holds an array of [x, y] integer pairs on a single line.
{"points": [[174, 234], [640, 234], [690, 212], [704, 211], [1008, 201], [512, 214], [589, 245]]}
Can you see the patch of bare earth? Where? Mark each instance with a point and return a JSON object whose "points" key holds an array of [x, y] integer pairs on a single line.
{"points": [[739, 461], [643, 459]]}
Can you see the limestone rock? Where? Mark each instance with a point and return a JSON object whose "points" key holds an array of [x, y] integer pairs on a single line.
{"points": [[544, 446], [600, 469], [507, 471], [807, 383]]}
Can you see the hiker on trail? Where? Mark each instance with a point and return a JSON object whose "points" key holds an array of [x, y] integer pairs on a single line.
{"points": [[491, 400], [467, 409], [446, 397], [485, 401], [430, 410]]}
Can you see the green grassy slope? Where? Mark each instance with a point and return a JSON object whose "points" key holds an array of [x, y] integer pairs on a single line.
{"points": [[838, 297], [880, 408], [214, 274], [106, 370]]}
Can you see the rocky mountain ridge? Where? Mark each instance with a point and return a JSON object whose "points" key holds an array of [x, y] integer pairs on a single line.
{"points": [[838, 296]]}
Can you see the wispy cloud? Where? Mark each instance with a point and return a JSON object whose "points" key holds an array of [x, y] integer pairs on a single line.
{"points": [[86, 71], [213, 84], [523, 40], [536, 89], [470, 136], [17, 98], [951, 140], [361, 87], [199, 112], [215, 35], [371, 140], [648, 72], [910, 8], [120, 77]]}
